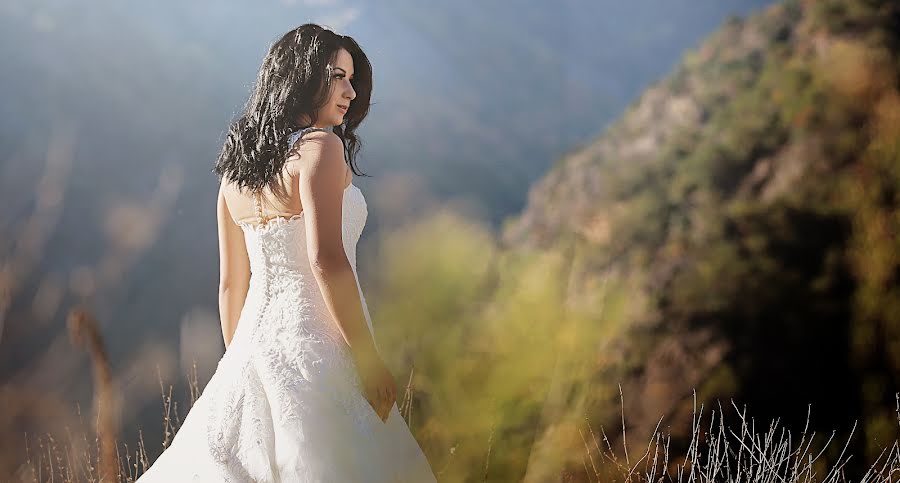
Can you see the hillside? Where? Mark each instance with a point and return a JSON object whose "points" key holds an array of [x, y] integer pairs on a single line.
{"points": [[741, 220]]}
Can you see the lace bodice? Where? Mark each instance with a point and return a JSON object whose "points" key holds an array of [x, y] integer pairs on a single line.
{"points": [[278, 251], [281, 242]]}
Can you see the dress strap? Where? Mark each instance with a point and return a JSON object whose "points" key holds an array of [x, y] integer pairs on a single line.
{"points": [[294, 136]]}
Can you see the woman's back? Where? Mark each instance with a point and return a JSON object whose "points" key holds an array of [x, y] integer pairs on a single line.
{"points": [[284, 201]]}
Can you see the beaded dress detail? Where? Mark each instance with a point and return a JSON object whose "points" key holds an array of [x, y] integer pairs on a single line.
{"points": [[285, 403]]}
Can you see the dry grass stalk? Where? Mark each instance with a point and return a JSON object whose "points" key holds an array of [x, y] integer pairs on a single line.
{"points": [[84, 332]]}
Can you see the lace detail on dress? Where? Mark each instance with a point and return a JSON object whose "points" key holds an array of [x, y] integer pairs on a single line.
{"points": [[294, 136]]}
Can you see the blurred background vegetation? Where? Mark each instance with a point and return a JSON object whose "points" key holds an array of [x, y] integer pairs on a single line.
{"points": [[570, 202]]}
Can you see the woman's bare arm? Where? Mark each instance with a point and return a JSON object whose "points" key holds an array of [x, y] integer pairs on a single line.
{"points": [[321, 175], [234, 269]]}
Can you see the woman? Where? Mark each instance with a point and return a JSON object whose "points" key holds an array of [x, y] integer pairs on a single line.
{"points": [[301, 393]]}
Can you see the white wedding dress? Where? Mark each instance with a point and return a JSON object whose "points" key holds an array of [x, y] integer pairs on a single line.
{"points": [[285, 402]]}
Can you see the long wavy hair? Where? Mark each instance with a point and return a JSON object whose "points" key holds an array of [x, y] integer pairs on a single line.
{"points": [[293, 83]]}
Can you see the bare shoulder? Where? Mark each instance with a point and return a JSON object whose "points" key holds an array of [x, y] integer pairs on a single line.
{"points": [[319, 142], [317, 150], [224, 187]]}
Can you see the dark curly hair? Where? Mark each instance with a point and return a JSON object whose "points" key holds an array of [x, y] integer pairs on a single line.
{"points": [[293, 83]]}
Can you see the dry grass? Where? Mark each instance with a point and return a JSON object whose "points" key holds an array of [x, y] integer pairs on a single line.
{"points": [[83, 459], [716, 453]]}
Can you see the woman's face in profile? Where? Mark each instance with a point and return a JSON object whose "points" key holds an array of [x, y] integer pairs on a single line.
{"points": [[332, 113]]}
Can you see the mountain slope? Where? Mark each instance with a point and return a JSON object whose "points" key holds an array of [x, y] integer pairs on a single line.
{"points": [[744, 212]]}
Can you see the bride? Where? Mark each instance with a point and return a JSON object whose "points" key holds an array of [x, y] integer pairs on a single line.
{"points": [[301, 393]]}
